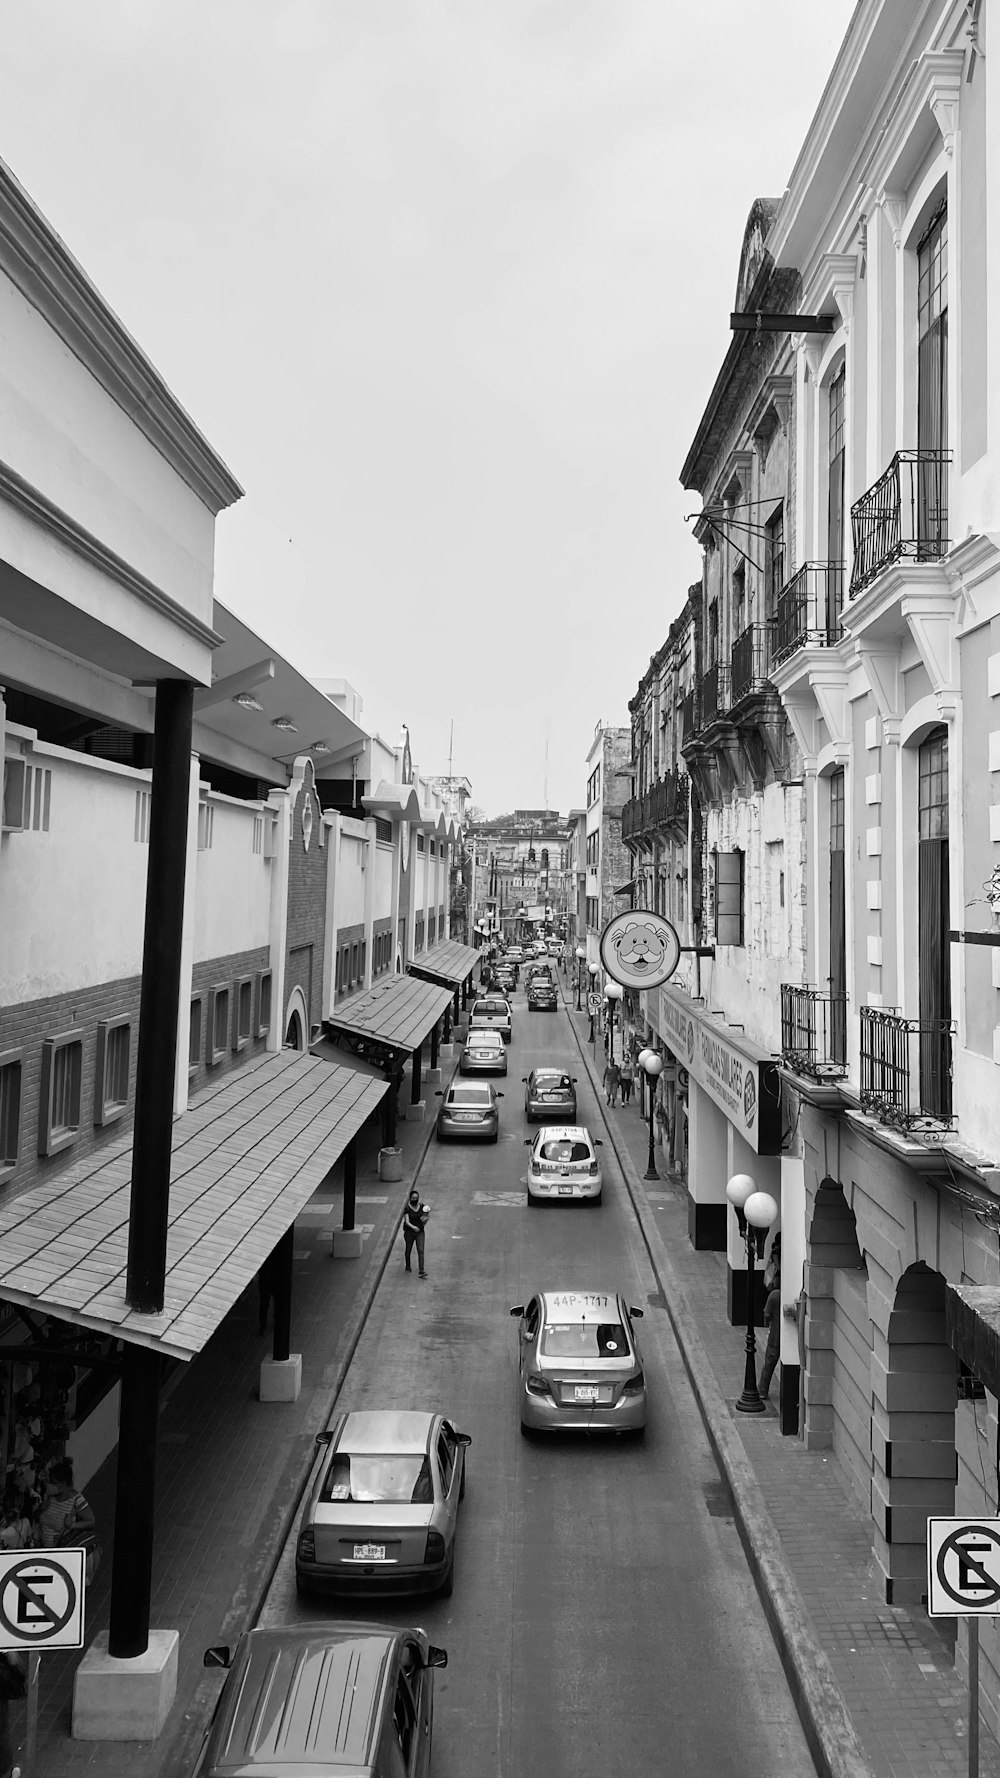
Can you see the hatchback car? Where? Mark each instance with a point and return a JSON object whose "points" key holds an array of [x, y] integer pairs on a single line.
{"points": [[563, 1165], [579, 1364], [491, 1013], [469, 1109], [383, 1510], [324, 1698], [484, 1053], [549, 1092], [542, 996]]}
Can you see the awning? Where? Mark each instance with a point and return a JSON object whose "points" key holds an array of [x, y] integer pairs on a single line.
{"points": [[396, 802], [247, 1157], [625, 888], [397, 1012], [451, 962]]}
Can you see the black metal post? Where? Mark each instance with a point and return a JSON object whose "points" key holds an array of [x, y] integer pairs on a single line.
{"points": [[435, 1042], [650, 1172], [132, 1559], [446, 1036], [611, 1030], [283, 1259], [579, 974], [750, 1402], [394, 1077], [350, 1181], [161, 976], [415, 1067]]}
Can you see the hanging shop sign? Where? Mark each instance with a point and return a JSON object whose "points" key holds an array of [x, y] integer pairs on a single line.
{"points": [[639, 949], [743, 1081]]}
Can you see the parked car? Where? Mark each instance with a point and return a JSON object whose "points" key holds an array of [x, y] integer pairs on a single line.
{"points": [[484, 1053], [579, 1364], [470, 1109], [492, 1013], [563, 1165], [549, 1092], [382, 1513], [542, 996], [323, 1698]]}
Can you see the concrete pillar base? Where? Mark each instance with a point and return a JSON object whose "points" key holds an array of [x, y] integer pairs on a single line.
{"points": [[415, 1113], [347, 1243], [390, 1163], [446, 1051], [125, 1700], [281, 1378], [433, 1076]]}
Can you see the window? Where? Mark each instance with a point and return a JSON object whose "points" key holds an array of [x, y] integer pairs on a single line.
{"points": [[206, 826], [446, 1461], [729, 898], [59, 1099], [114, 1037], [713, 633], [264, 1003], [15, 778], [739, 598], [140, 830], [932, 384], [354, 964], [933, 924], [195, 1035], [593, 789], [345, 968], [774, 561], [244, 1013], [218, 1014], [421, 842], [10, 1110]]}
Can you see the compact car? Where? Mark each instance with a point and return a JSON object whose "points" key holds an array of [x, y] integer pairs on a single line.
{"points": [[549, 1092], [484, 1053], [579, 1364], [492, 1013], [354, 1700], [542, 996], [471, 1109], [563, 1165], [514, 954], [503, 981], [383, 1510]]}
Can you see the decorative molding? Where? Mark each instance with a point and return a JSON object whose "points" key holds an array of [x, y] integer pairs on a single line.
{"points": [[829, 685], [931, 617], [881, 667], [833, 281], [893, 203], [809, 347], [928, 100]]}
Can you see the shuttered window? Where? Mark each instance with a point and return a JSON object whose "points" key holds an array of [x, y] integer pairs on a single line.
{"points": [[729, 868], [933, 921]]}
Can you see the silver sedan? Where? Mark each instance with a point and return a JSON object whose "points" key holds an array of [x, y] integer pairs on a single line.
{"points": [[579, 1364]]}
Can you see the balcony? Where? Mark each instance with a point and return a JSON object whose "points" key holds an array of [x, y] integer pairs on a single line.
{"points": [[813, 1032], [807, 610], [714, 694], [689, 717], [903, 517], [663, 805], [751, 660], [906, 1070]]}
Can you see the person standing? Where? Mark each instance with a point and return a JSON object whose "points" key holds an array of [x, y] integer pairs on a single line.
{"points": [[772, 1321], [627, 1077], [414, 1221]]}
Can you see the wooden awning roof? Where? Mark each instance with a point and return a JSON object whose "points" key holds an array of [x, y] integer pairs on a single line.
{"points": [[451, 963], [397, 1012]]}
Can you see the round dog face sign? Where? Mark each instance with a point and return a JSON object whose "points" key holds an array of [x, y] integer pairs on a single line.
{"points": [[639, 949]]}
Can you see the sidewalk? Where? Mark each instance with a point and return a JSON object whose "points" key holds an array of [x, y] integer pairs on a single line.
{"points": [[231, 1470], [875, 1684]]}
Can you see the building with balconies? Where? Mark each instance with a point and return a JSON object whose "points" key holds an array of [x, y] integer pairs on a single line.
{"points": [[606, 861]]}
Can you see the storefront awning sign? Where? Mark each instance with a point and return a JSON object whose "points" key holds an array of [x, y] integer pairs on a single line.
{"points": [[743, 1082]]}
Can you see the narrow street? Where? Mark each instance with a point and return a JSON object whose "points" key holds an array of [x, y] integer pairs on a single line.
{"points": [[603, 1617]]}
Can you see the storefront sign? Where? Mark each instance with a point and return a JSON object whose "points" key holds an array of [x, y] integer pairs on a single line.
{"points": [[743, 1082], [639, 949]]}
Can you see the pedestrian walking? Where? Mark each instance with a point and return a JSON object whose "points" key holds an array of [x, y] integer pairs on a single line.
{"points": [[772, 1321], [627, 1077], [414, 1220], [612, 1081]]}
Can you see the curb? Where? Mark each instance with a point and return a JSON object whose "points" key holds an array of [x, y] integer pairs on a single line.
{"points": [[832, 1738]]}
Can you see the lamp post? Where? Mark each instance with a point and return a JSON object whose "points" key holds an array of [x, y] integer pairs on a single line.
{"points": [[581, 958], [613, 992], [755, 1212], [593, 970], [652, 1067]]}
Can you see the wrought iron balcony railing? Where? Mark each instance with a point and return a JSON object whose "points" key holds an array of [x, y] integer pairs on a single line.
{"points": [[814, 1031], [904, 515], [808, 609], [664, 802], [905, 1069], [750, 661], [689, 718], [714, 689]]}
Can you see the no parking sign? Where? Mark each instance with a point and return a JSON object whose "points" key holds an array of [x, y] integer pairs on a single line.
{"points": [[41, 1599]]}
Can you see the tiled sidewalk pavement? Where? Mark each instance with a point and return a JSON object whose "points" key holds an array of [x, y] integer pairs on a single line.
{"points": [[893, 1666], [230, 1470]]}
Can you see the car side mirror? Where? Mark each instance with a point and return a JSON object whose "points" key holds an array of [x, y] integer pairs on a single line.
{"points": [[528, 1141], [637, 1314], [439, 1093], [463, 1438], [436, 1657], [323, 1438], [499, 1095], [524, 1079], [518, 1311], [220, 1656], [598, 1142]]}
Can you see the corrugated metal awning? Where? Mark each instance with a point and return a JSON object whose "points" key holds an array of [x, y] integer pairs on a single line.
{"points": [[451, 962], [398, 1012], [246, 1157]]}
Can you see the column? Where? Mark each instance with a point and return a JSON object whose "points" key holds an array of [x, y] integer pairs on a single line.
{"points": [[708, 1163]]}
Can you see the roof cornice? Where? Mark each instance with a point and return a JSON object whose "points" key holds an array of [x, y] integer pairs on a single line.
{"points": [[43, 269]]}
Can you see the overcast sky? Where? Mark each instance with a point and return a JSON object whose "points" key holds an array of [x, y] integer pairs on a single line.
{"points": [[447, 284]]}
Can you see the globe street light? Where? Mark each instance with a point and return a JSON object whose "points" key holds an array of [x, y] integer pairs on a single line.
{"points": [[755, 1212], [581, 958], [652, 1067], [593, 970], [613, 992]]}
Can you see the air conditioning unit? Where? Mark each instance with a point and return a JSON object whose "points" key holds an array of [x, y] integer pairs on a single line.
{"points": [[15, 785]]}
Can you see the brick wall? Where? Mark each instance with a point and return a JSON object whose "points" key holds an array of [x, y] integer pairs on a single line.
{"points": [[217, 972], [347, 937], [306, 899]]}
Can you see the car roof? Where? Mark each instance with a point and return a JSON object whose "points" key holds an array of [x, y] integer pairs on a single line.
{"points": [[380, 1431], [482, 1087], [302, 1696], [585, 1306]]}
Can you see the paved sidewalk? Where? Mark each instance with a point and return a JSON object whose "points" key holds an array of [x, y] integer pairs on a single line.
{"points": [[231, 1469], [875, 1684]]}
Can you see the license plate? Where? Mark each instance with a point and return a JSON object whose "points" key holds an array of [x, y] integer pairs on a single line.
{"points": [[585, 1392], [467, 1117], [369, 1552], [565, 1191]]}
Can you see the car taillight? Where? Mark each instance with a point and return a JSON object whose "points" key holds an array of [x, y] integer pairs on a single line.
{"points": [[435, 1547], [635, 1385], [537, 1385], [307, 1545], [592, 1169]]}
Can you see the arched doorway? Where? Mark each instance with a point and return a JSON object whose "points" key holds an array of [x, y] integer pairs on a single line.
{"points": [[838, 1338], [914, 1396], [296, 1021]]}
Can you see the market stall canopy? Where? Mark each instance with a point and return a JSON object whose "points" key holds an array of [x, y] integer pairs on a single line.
{"points": [[246, 1158], [396, 1012], [451, 963]]}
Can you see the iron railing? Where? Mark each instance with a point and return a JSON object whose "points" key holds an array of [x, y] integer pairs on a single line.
{"points": [[665, 801], [750, 661], [807, 609], [905, 1069], [813, 1031], [715, 699], [904, 515]]}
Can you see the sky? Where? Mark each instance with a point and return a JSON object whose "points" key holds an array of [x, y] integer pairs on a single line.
{"points": [[447, 284]]}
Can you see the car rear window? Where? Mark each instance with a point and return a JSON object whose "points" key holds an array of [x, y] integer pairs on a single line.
{"points": [[564, 1150], [468, 1096], [552, 1080], [491, 1007], [400, 1480], [486, 1040], [580, 1339]]}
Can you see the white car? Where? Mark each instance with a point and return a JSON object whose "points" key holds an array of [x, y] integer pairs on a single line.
{"points": [[563, 1165]]}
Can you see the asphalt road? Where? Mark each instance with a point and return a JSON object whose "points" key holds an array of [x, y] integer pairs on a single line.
{"points": [[603, 1621]]}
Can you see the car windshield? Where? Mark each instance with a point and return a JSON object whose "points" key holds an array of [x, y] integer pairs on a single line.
{"points": [[486, 1040], [400, 1479], [564, 1150], [468, 1096], [584, 1339]]}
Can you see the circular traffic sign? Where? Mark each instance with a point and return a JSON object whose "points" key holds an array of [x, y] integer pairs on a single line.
{"points": [[640, 949], [38, 1597], [975, 1585]]}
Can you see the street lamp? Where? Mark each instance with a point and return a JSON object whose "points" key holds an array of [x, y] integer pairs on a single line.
{"points": [[581, 958], [593, 970], [652, 1067], [755, 1212], [613, 992]]}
